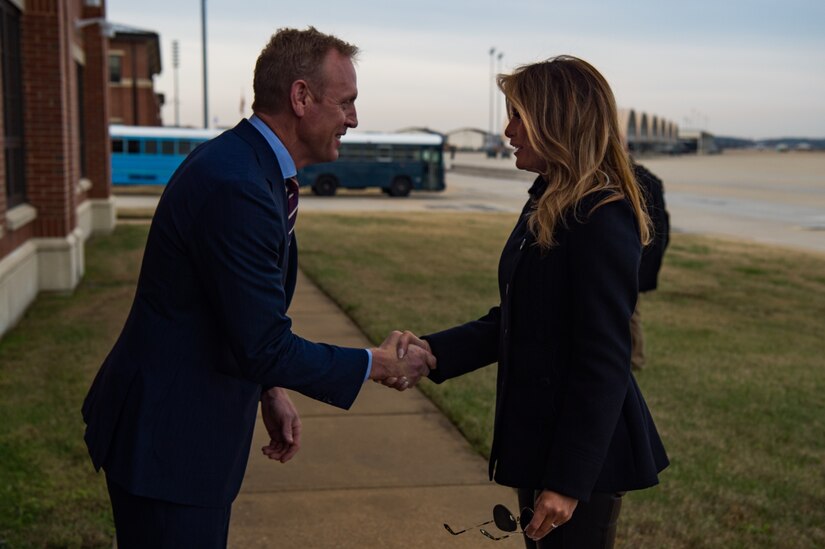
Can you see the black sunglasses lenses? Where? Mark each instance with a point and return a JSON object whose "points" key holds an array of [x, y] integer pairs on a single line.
{"points": [[504, 519]]}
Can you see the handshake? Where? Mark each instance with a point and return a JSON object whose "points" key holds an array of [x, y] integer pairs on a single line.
{"points": [[401, 360]]}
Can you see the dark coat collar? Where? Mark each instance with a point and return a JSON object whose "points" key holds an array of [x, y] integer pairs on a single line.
{"points": [[538, 188], [266, 156]]}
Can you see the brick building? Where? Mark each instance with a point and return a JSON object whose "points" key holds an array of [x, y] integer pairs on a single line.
{"points": [[54, 146], [134, 59]]}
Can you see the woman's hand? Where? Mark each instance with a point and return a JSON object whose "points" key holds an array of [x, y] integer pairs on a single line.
{"points": [[551, 511], [408, 338]]}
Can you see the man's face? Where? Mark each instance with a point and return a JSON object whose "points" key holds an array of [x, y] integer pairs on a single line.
{"points": [[331, 111]]}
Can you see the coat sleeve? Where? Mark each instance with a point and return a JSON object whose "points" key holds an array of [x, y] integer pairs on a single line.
{"points": [[236, 243], [603, 257], [652, 255], [465, 348]]}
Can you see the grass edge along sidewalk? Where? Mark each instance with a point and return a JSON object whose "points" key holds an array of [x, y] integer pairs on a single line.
{"points": [[735, 382]]}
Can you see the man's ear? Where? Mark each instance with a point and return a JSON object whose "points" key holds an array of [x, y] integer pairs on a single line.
{"points": [[299, 96]]}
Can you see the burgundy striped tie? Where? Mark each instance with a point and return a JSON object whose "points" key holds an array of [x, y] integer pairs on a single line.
{"points": [[292, 202]]}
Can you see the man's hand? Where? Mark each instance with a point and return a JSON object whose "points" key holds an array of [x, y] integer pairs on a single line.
{"points": [[402, 347], [400, 370], [551, 511], [282, 423]]}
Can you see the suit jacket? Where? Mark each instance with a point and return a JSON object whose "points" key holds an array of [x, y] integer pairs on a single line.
{"points": [[569, 416], [171, 412], [653, 193]]}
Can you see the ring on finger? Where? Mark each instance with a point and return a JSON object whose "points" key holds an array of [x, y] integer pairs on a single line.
{"points": [[554, 525]]}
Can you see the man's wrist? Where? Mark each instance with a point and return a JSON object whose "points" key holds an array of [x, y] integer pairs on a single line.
{"points": [[369, 364], [379, 367], [272, 392]]}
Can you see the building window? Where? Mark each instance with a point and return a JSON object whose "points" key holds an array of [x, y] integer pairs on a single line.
{"points": [[12, 103], [115, 68]]}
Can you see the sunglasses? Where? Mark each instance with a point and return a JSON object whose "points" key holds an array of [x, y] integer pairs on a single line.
{"points": [[504, 521]]}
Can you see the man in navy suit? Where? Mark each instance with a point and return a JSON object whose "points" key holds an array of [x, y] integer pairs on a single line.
{"points": [[171, 412]]}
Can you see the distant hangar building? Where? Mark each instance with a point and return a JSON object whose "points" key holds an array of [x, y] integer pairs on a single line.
{"points": [[643, 132], [467, 139]]}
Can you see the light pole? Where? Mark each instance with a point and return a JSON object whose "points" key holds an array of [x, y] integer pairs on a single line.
{"points": [[175, 65], [499, 129], [205, 94], [490, 125]]}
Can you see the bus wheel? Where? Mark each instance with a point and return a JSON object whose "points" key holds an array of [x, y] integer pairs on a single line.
{"points": [[400, 186], [325, 185]]}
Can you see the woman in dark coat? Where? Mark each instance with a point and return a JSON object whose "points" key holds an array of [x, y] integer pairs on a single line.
{"points": [[572, 432]]}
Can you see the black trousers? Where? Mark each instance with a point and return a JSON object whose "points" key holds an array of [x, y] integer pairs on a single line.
{"points": [[592, 526], [143, 523]]}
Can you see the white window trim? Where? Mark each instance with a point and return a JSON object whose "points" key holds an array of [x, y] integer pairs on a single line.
{"points": [[83, 185], [20, 216]]}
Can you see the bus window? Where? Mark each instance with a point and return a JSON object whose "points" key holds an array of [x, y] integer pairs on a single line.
{"points": [[384, 153], [132, 146], [150, 147], [184, 146], [353, 153], [406, 154], [117, 145], [345, 153], [167, 147]]}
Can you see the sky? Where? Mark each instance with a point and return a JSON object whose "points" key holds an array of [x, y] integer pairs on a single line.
{"points": [[744, 68]]}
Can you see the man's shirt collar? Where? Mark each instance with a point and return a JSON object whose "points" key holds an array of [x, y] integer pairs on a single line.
{"points": [[284, 159]]}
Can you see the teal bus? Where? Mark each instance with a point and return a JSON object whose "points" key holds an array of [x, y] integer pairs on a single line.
{"points": [[396, 163], [143, 155]]}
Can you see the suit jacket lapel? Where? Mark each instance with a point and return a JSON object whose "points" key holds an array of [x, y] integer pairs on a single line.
{"points": [[266, 157], [272, 171]]}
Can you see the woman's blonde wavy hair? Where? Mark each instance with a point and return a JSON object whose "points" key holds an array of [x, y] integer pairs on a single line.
{"points": [[569, 114]]}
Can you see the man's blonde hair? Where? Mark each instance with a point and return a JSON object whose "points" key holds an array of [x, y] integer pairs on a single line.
{"points": [[291, 55]]}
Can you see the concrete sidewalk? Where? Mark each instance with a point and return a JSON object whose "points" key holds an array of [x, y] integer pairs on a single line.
{"points": [[385, 474]]}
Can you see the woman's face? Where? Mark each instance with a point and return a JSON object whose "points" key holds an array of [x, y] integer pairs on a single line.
{"points": [[526, 157]]}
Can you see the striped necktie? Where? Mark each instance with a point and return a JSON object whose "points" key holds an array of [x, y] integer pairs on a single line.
{"points": [[292, 202]]}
